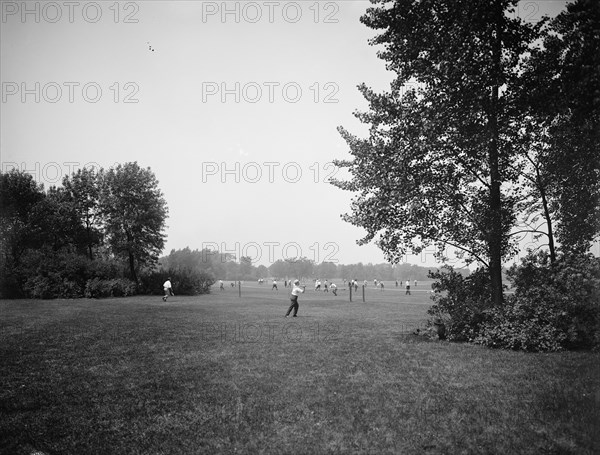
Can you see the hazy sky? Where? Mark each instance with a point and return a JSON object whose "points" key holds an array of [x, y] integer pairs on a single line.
{"points": [[233, 105]]}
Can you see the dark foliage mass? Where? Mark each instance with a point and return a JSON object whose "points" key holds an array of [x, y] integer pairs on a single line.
{"points": [[94, 236], [554, 306]]}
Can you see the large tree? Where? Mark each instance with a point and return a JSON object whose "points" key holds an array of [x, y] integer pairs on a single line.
{"points": [[134, 212], [435, 168]]}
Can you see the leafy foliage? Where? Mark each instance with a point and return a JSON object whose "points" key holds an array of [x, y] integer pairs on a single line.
{"points": [[115, 287], [185, 281], [556, 306], [134, 213], [435, 168], [52, 243], [461, 302], [561, 87]]}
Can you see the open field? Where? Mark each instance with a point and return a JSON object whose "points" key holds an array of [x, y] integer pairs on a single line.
{"points": [[220, 374]]}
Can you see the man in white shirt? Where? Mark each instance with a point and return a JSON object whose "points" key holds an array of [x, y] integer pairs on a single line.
{"points": [[168, 288], [296, 291], [333, 288]]}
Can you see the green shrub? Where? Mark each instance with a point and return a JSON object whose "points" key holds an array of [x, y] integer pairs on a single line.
{"points": [[39, 287], [116, 287], [185, 281], [555, 306], [531, 322], [461, 302]]}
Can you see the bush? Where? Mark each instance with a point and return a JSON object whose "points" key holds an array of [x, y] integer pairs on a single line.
{"points": [[50, 274], [555, 306], [185, 281], [530, 322], [462, 303], [116, 287]]}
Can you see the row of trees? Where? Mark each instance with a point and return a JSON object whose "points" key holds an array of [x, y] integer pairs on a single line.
{"points": [[490, 130], [106, 225], [360, 271]]}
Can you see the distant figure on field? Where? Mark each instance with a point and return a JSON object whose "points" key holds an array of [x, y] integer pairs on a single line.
{"points": [[396, 283], [221, 286], [274, 285], [317, 285], [415, 283], [407, 287], [296, 291], [168, 288], [333, 288], [381, 285], [326, 286]]}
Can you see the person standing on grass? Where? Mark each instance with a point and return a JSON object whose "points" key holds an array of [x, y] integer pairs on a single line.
{"points": [[407, 288], [274, 285], [221, 286], [296, 291], [168, 288]]}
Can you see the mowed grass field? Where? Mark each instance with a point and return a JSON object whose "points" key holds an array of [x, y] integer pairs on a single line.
{"points": [[220, 374]]}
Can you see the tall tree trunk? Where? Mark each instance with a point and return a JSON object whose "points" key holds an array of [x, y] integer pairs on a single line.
{"points": [[495, 207], [549, 225], [495, 203], [89, 242], [132, 267], [546, 216], [131, 257]]}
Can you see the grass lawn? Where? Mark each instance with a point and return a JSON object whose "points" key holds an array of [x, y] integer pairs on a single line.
{"points": [[220, 374]]}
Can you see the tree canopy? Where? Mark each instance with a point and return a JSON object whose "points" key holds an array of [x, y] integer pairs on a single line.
{"points": [[443, 161]]}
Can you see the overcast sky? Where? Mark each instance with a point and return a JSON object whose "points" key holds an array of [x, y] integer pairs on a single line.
{"points": [[233, 105]]}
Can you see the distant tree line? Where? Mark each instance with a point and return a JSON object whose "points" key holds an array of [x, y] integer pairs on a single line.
{"points": [[225, 266]]}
